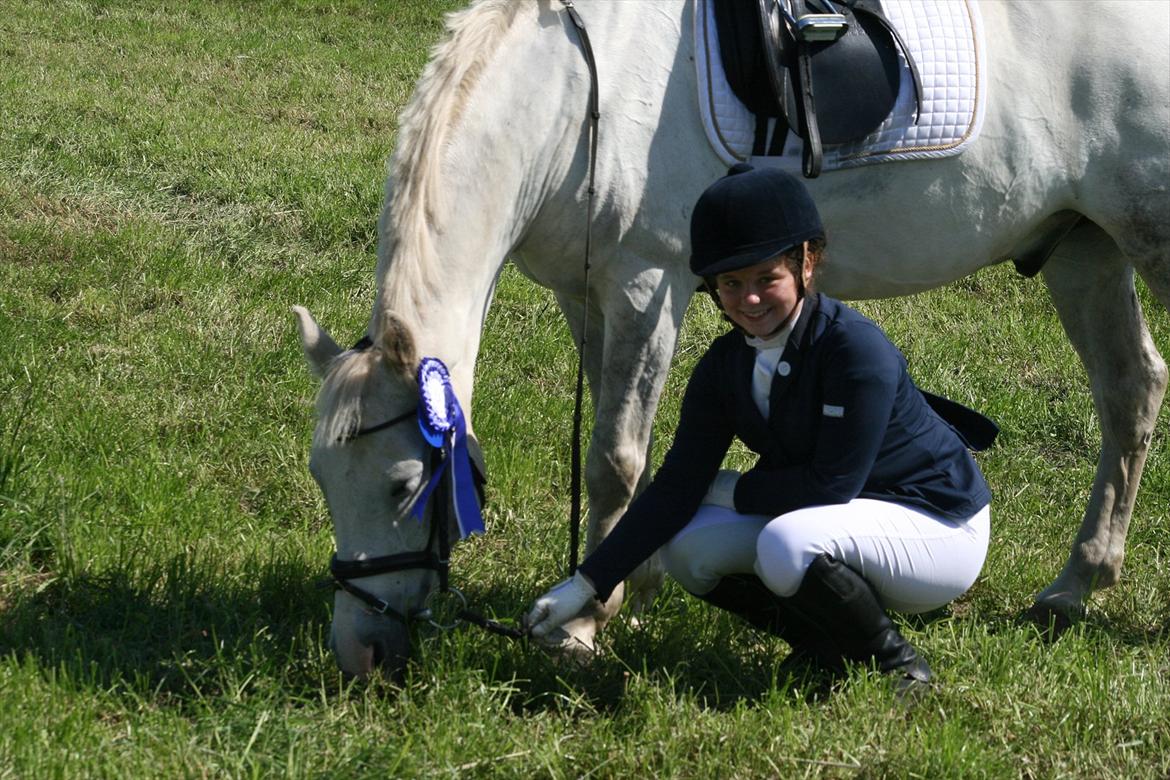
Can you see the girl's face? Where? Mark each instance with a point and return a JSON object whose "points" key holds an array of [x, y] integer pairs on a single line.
{"points": [[759, 298]]}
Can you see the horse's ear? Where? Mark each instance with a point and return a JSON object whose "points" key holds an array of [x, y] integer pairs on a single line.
{"points": [[396, 341], [319, 346]]}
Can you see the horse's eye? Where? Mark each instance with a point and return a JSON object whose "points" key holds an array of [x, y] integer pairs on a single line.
{"points": [[404, 479], [403, 489]]}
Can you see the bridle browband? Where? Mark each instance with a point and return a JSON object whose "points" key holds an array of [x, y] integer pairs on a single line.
{"points": [[382, 426]]}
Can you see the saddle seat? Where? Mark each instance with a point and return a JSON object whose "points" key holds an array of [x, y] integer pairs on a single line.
{"points": [[829, 71]]}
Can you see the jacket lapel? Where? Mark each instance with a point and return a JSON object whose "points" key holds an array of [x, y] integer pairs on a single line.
{"points": [[746, 360], [789, 365]]}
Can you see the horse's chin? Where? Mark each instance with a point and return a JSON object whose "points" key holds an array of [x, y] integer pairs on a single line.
{"points": [[368, 644]]}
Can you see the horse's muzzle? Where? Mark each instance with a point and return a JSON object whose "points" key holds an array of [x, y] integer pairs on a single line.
{"points": [[364, 643]]}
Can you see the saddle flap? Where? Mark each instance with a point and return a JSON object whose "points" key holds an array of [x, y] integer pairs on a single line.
{"points": [[855, 80], [741, 47]]}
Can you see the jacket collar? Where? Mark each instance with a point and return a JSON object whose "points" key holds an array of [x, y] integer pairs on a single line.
{"points": [[800, 331], [798, 341]]}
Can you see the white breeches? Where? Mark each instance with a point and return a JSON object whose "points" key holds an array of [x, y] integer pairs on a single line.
{"points": [[916, 561]]}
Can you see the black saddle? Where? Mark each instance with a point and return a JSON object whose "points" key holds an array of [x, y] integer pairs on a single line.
{"points": [[826, 69]]}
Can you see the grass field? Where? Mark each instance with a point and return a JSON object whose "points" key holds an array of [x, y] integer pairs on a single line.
{"points": [[173, 176]]}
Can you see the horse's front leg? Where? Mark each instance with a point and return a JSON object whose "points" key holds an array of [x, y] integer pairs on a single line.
{"points": [[632, 334], [1093, 290]]}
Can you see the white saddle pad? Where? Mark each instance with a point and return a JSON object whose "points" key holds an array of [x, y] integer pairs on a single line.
{"points": [[946, 40]]}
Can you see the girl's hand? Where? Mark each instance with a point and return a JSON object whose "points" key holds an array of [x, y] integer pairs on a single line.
{"points": [[559, 605], [722, 490]]}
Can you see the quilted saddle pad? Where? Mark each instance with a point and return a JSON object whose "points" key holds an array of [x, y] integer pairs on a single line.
{"points": [[946, 40]]}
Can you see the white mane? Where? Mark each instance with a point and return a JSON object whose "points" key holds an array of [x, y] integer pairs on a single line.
{"points": [[413, 194]]}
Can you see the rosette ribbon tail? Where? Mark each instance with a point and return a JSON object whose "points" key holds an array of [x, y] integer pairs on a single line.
{"points": [[464, 496], [441, 420]]}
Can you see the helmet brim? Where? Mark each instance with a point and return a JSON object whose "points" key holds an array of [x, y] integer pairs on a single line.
{"points": [[750, 255]]}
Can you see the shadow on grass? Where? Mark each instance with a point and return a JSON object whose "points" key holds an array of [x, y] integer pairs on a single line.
{"points": [[186, 630], [1049, 626], [685, 649], [1092, 625], [681, 645], [175, 628]]}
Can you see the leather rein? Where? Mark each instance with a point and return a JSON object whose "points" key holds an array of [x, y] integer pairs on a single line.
{"points": [[594, 122]]}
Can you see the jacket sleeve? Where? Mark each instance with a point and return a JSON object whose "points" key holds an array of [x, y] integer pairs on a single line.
{"points": [[668, 503], [856, 393]]}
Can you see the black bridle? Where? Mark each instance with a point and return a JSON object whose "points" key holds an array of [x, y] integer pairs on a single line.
{"points": [[436, 556], [428, 558]]}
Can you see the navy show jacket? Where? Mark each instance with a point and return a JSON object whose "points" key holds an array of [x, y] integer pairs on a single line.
{"points": [[845, 421]]}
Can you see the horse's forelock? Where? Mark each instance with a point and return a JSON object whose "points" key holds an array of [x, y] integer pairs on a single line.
{"points": [[339, 404]]}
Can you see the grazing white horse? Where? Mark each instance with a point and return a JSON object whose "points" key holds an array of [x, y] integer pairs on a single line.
{"points": [[491, 164]]}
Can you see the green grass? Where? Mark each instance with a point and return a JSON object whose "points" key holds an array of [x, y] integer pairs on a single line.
{"points": [[172, 178]]}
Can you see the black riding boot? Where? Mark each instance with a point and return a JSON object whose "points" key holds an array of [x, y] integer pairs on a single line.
{"points": [[748, 597], [845, 606]]}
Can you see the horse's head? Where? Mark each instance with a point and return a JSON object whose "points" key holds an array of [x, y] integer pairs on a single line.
{"points": [[372, 463]]}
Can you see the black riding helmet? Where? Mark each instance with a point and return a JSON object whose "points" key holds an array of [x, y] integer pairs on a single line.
{"points": [[748, 216]]}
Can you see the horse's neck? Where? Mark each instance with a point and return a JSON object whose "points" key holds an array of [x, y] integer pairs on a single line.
{"points": [[443, 306], [477, 158]]}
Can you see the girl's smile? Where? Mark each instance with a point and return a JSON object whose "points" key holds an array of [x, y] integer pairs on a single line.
{"points": [[759, 298]]}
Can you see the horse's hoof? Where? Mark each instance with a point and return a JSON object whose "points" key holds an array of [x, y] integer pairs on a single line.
{"points": [[567, 647], [638, 601], [643, 585], [641, 595], [1050, 620]]}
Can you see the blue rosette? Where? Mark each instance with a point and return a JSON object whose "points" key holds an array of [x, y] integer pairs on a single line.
{"points": [[441, 421]]}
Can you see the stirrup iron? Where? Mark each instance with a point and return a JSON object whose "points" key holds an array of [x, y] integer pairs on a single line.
{"points": [[816, 28]]}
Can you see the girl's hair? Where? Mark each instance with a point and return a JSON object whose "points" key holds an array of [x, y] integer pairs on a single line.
{"points": [[794, 257]]}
